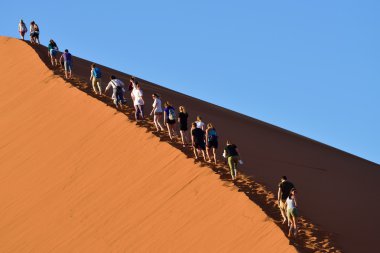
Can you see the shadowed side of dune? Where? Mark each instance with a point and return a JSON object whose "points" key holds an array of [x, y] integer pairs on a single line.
{"points": [[329, 181], [77, 177]]}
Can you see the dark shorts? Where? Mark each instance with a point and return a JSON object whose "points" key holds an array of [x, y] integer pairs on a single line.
{"points": [[182, 127], [157, 113], [53, 52], [170, 122], [200, 145], [212, 144]]}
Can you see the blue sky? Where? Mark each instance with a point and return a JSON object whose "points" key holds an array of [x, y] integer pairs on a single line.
{"points": [[308, 66]]}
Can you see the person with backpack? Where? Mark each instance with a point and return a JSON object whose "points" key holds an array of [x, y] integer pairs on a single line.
{"points": [[170, 119], [157, 112], [231, 152], [22, 29], [52, 52], [138, 101], [95, 79], [117, 91], [284, 188], [211, 141], [198, 141], [67, 63], [182, 120]]}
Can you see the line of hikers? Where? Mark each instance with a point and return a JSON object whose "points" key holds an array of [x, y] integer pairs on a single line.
{"points": [[204, 138]]}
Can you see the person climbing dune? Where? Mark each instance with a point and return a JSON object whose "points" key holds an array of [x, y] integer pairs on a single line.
{"points": [[96, 79]]}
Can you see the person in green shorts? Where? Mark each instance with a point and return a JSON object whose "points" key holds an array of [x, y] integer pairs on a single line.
{"points": [[231, 152], [292, 212]]}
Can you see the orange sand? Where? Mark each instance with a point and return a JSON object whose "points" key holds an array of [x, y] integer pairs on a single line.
{"points": [[77, 177]]}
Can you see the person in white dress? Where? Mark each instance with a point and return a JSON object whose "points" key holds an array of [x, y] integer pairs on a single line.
{"points": [[22, 29], [157, 112], [138, 101]]}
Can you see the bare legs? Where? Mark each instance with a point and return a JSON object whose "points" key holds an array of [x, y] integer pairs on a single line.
{"points": [[293, 226], [283, 211], [139, 112], [184, 137], [213, 152], [171, 130], [156, 120], [68, 74], [196, 153], [54, 61]]}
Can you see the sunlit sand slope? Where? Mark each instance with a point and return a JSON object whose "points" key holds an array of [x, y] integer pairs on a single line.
{"points": [[77, 177]]}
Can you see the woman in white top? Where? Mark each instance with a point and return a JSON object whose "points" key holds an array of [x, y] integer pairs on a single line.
{"points": [[138, 101], [22, 29], [157, 112], [200, 123], [292, 212]]}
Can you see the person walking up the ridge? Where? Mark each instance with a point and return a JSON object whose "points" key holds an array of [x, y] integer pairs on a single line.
{"points": [[34, 33], [138, 101], [211, 141], [231, 152], [157, 112], [67, 63], [292, 212], [22, 29], [52, 52], [170, 119], [284, 188], [31, 33], [182, 120], [117, 91], [95, 79], [200, 123], [198, 141]]}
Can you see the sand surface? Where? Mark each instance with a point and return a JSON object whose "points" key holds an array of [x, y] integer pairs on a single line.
{"points": [[336, 190], [77, 177], [49, 126]]}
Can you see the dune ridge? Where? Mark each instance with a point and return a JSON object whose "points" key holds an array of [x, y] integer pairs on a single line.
{"points": [[329, 181], [76, 177]]}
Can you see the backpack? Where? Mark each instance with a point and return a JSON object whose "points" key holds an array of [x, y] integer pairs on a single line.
{"points": [[97, 73], [171, 113], [212, 135]]}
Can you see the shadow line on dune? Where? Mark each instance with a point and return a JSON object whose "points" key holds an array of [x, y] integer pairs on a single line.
{"points": [[311, 237]]}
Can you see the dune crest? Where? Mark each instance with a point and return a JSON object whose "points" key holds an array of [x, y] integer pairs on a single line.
{"points": [[78, 177]]}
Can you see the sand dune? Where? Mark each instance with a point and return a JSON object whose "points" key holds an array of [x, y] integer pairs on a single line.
{"points": [[65, 183], [77, 177]]}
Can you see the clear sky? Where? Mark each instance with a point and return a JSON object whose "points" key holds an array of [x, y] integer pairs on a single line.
{"points": [[309, 66]]}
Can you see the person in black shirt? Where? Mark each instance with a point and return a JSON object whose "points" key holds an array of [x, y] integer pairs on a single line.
{"points": [[231, 152], [284, 188], [182, 120], [198, 141]]}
